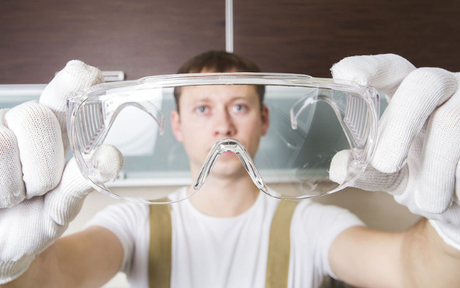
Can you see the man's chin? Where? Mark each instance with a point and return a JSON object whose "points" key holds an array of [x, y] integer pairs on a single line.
{"points": [[228, 154], [230, 166]]}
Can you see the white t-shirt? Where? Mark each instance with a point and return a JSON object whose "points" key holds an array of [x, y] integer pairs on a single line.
{"points": [[228, 252]]}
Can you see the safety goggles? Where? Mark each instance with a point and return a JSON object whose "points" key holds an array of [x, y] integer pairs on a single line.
{"points": [[310, 120]]}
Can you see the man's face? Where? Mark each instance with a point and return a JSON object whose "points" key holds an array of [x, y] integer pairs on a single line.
{"points": [[211, 113]]}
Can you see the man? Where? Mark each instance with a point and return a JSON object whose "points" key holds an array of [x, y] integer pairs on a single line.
{"points": [[220, 236]]}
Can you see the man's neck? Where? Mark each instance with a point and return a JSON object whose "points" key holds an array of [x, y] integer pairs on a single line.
{"points": [[227, 197]]}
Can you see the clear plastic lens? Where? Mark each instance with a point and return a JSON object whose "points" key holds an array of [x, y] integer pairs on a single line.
{"points": [[310, 121]]}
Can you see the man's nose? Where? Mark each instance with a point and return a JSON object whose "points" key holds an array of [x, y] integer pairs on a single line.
{"points": [[224, 125]]}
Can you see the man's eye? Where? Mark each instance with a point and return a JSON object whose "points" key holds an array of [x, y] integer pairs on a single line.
{"points": [[239, 108], [201, 109]]}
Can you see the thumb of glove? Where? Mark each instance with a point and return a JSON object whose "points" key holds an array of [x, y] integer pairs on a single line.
{"points": [[75, 76], [370, 180], [64, 202]]}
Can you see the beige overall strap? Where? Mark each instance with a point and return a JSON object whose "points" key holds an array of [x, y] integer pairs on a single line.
{"points": [[160, 246], [279, 247]]}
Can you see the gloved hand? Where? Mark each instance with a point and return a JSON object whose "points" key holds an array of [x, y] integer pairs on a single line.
{"points": [[418, 150], [39, 193]]}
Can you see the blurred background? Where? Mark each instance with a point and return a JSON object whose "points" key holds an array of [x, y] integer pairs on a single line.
{"points": [[143, 38], [146, 37]]}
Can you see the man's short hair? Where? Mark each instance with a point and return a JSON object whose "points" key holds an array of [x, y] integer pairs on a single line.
{"points": [[219, 61]]}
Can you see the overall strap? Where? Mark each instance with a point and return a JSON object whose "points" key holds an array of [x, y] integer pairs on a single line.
{"points": [[161, 239], [160, 246], [280, 246]]}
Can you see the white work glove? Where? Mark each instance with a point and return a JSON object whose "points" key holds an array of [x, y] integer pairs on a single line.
{"points": [[39, 193], [418, 150]]}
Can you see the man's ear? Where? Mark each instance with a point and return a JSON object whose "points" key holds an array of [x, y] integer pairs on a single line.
{"points": [[176, 125], [265, 119]]}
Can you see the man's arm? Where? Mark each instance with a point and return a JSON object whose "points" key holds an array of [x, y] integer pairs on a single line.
{"points": [[86, 259], [426, 258], [415, 258]]}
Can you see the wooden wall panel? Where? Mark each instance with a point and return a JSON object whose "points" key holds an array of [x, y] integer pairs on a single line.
{"points": [[309, 36], [141, 37]]}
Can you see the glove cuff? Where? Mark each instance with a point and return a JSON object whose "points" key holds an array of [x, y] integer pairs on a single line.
{"points": [[13, 269], [449, 233]]}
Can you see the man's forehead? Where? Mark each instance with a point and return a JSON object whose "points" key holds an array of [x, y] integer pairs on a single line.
{"points": [[211, 92]]}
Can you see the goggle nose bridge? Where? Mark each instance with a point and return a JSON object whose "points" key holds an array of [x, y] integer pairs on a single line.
{"points": [[230, 145]]}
